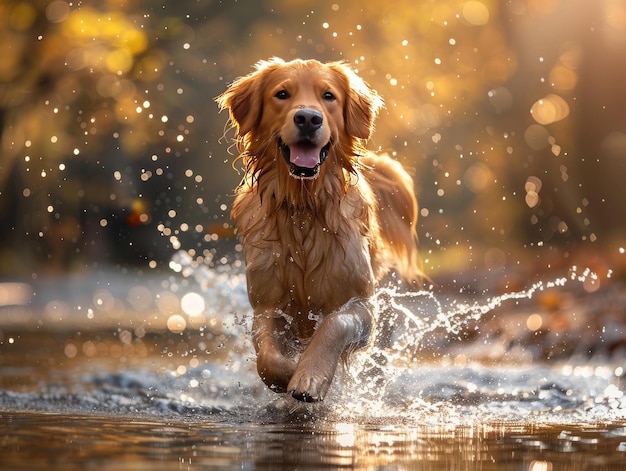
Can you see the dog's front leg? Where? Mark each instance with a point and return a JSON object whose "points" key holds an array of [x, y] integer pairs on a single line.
{"points": [[338, 332], [274, 368]]}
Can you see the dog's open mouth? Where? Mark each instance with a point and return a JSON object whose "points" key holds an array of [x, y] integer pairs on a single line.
{"points": [[304, 158]]}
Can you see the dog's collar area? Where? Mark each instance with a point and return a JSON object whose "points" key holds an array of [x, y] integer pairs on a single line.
{"points": [[304, 173]]}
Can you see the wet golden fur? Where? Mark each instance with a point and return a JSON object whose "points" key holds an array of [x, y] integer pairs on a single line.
{"points": [[315, 247]]}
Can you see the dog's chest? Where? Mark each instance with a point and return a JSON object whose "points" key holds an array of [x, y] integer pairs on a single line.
{"points": [[306, 260], [326, 264]]}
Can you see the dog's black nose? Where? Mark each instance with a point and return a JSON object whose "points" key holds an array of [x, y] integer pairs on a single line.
{"points": [[308, 120]]}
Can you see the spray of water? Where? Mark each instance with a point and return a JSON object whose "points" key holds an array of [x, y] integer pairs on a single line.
{"points": [[406, 322], [391, 379]]}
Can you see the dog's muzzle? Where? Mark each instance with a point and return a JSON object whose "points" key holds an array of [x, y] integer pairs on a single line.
{"points": [[306, 156]]}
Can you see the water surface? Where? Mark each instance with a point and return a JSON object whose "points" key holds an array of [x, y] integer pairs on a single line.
{"points": [[155, 371]]}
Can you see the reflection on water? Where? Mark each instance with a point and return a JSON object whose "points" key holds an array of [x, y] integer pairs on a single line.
{"points": [[124, 372], [37, 441]]}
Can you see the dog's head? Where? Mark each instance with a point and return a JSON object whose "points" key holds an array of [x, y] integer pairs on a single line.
{"points": [[305, 111]]}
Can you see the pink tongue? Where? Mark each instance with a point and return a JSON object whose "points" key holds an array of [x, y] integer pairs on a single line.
{"points": [[304, 156]]}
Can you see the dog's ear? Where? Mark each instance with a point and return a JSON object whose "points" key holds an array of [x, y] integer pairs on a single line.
{"points": [[362, 104], [244, 98], [243, 101]]}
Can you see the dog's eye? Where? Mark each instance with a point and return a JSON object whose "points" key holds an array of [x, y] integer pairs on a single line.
{"points": [[328, 96], [282, 95]]}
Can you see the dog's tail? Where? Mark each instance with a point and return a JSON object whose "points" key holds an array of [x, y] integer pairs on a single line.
{"points": [[397, 214]]}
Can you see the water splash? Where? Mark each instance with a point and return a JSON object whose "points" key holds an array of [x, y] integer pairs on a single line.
{"points": [[406, 373], [430, 360], [423, 312], [224, 289]]}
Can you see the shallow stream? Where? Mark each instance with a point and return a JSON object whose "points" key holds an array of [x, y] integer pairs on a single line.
{"points": [[155, 371]]}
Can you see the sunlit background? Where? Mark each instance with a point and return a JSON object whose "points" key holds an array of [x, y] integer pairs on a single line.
{"points": [[510, 115], [123, 305]]}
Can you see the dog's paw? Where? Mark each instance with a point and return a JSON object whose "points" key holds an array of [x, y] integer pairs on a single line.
{"points": [[275, 370], [310, 384]]}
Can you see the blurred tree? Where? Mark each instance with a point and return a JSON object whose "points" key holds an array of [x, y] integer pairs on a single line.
{"points": [[97, 104], [71, 106]]}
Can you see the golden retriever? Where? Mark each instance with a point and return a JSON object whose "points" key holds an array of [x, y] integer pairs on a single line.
{"points": [[321, 219]]}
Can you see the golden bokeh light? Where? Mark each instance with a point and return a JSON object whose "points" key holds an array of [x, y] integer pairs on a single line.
{"points": [[176, 324], [22, 16], [549, 109], [475, 13], [57, 11], [534, 322]]}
